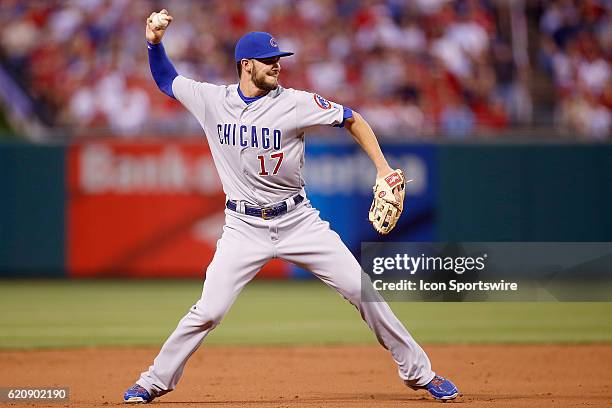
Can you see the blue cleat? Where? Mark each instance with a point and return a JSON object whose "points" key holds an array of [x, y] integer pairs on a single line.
{"points": [[440, 388], [136, 394]]}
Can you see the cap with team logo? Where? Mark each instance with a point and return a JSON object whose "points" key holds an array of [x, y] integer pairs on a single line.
{"points": [[258, 45]]}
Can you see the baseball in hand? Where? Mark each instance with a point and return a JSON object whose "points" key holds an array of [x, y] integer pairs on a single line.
{"points": [[160, 21]]}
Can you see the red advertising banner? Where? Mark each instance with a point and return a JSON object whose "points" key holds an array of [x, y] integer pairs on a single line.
{"points": [[144, 209]]}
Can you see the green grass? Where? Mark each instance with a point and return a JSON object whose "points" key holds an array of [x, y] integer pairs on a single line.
{"points": [[70, 313]]}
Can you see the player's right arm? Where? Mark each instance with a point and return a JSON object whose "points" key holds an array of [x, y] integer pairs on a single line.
{"points": [[192, 94], [161, 67]]}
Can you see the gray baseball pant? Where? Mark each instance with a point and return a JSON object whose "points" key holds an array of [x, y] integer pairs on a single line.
{"points": [[302, 238]]}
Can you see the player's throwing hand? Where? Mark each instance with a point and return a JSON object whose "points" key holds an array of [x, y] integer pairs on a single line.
{"points": [[156, 26]]}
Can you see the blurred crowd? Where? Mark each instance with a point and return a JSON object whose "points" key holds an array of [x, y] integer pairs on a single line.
{"points": [[576, 47], [413, 68]]}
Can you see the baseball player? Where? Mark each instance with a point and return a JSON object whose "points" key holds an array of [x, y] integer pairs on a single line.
{"points": [[256, 130]]}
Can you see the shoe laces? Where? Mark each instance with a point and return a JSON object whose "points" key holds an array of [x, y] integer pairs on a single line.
{"points": [[437, 381]]}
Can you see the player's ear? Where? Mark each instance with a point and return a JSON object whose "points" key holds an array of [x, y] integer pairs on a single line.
{"points": [[247, 65]]}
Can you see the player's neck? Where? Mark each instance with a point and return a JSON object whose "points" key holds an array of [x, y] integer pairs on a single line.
{"points": [[249, 89]]}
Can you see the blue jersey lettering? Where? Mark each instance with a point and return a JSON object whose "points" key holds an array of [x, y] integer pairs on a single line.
{"points": [[232, 134]]}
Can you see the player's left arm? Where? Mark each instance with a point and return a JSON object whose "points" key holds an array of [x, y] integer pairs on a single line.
{"points": [[314, 110], [365, 137], [389, 189]]}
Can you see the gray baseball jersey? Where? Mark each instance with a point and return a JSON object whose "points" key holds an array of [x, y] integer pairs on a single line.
{"points": [[258, 148], [259, 152]]}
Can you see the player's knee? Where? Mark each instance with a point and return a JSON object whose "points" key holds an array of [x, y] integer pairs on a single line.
{"points": [[206, 316], [352, 293]]}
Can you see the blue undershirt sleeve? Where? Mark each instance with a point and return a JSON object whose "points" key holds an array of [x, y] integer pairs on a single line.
{"points": [[347, 114], [161, 67]]}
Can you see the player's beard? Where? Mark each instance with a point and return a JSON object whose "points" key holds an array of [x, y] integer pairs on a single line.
{"points": [[259, 79]]}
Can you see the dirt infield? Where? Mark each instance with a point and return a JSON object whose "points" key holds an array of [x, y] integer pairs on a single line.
{"points": [[508, 376]]}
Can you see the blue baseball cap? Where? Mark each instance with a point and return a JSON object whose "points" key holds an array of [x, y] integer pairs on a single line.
{"points": [[258, 45]]}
